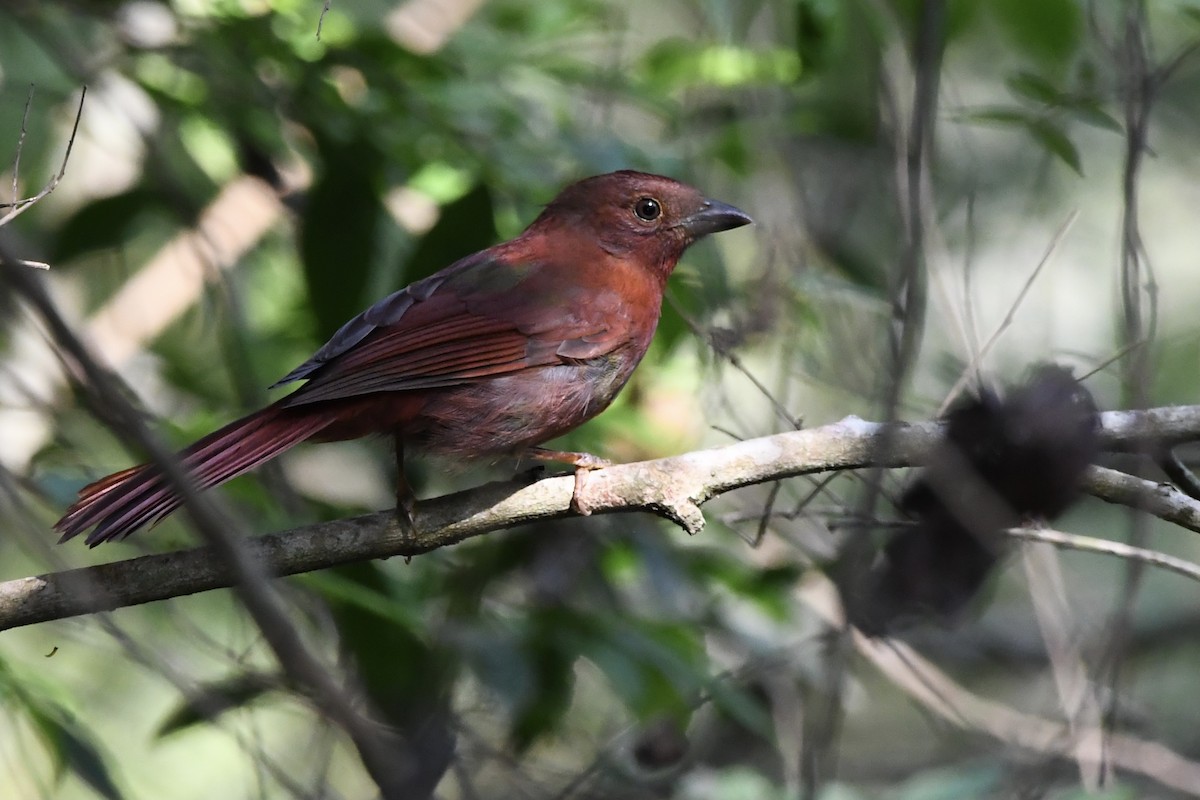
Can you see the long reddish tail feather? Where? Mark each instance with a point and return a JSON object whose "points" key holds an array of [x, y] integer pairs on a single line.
{"points": [[125, 501]]}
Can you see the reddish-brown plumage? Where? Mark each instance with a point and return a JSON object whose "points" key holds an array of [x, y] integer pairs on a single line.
{"points": [[493, 355]]}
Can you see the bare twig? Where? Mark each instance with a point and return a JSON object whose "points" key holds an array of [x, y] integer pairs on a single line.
{"points": [[1117, 356], [384, 755], [908, 297], [1138, 430], [1179, 473], [723, 351], [169, 283], [977, 359], [321, 19], [941, 695], [672, 487], [18, 207], [1076, 693], [1089, 544], [765, 516], [16, 177], [1160, 499], [1138, 292], [1172, 64]]}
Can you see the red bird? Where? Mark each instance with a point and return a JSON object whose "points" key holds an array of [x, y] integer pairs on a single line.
{"points": [[491, 356]]}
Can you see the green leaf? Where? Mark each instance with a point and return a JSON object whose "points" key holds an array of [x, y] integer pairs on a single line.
{"points": [[104, 224], [997, 115], [72, 747], [339, 231], [553, 671], [214, 699], [404, 673], [529, 666], [1048, 30], [1056, 141], [768, 588], [958, 16], [1036, 88], [1047, 133], [676, 63], [1042, 91], [1091, 113], [658, 668]]}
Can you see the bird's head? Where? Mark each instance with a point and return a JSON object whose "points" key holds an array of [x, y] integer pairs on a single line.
{"points": [[635, 214]]}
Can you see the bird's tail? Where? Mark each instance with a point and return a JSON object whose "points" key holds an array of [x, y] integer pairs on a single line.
{"points": [[125, 501]]}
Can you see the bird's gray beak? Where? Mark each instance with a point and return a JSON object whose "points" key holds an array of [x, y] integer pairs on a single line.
{"points": [[714, 217]]}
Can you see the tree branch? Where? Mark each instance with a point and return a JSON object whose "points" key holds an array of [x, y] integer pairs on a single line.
{"points": [[1089, 544], [1160, 499], [949, 700], [673, 487], [384, 755]]}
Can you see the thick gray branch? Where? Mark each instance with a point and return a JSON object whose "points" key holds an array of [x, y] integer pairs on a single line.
{"points": [[673, 487]]}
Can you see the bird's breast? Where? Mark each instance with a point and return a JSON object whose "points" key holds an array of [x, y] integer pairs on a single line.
{"points": [[508, 414]]}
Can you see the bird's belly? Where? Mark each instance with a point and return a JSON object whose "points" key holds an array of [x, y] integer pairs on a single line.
{"points": [[507, 414]]}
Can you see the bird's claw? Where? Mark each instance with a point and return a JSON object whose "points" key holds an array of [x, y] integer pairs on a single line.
{"points": [[583, 464], [405, 513], [587, 461], [405, 509], [579, 503]]}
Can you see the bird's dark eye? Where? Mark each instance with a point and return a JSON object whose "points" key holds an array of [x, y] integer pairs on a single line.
{"points": [[648, 209]]}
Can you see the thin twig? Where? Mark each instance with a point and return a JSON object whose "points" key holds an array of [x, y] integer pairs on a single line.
{"points": [[908, 297], [1089, 544], [735, 361], [1138, 290], [671, 487], [1179, 473], [941, 695], [383, 753], [1172, 64], [1117, 356], [765, 516], [1161, 500], [1076, 692], [321, 19], [977, 359], [20, 206], [21, 145]]}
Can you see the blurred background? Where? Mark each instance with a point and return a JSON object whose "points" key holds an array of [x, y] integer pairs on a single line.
{"points": [[248, 174]]}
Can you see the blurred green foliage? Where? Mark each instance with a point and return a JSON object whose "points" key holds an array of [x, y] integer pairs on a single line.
{"points": [[534, 655]]}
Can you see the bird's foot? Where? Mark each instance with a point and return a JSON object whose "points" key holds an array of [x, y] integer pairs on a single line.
{"points": [[405, 508], [406, 505], [579, 502], [405, 513], [406, 499], [578, 460], [584, 463]]}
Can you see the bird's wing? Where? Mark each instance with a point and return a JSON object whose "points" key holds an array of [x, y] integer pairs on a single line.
{"points": [[481, 317]]}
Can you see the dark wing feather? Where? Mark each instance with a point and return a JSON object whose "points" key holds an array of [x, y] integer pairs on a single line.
{"points": [[481, 317], [388, 311]]}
